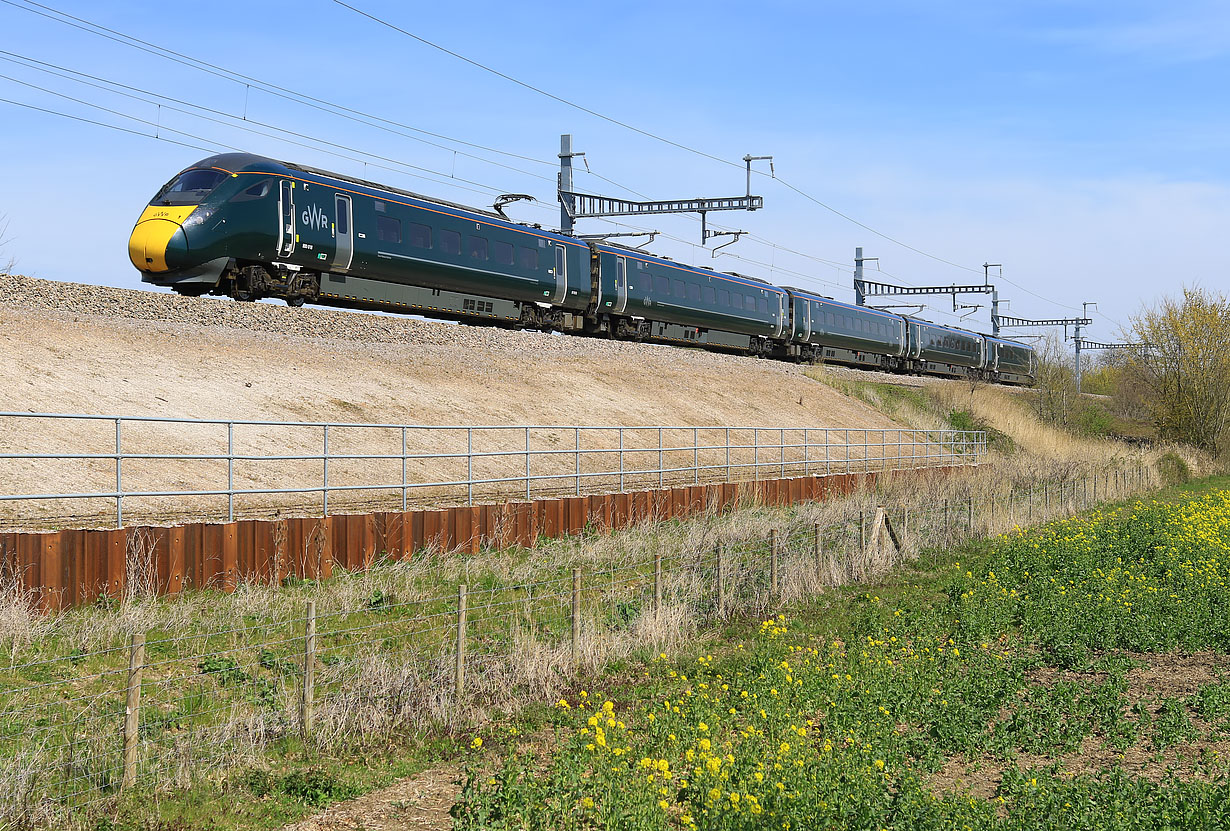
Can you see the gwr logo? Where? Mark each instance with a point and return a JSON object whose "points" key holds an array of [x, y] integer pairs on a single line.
{"points": [[315, 218]]}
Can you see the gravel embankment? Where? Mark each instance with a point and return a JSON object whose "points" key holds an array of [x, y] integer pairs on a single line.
{"points": [[168, 309]]}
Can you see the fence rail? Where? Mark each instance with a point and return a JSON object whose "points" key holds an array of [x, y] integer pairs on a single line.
{"points": [[110, 465]]}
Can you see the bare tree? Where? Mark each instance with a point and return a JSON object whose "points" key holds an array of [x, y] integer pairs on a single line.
{"points": [[1186, 368], [6, 266], [1055, 385]]}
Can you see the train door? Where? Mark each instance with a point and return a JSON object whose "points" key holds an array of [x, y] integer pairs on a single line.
{"points": [[621, 285], [915, 337], [561, 273], [343, 234], [286, 225], [781, 314], [806, 318]]}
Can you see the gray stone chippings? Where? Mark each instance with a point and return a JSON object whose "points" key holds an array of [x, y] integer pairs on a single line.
{"points": [[265, 320]]}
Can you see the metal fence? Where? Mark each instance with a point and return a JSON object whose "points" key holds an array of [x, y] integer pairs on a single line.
{"points": [[88, 467]]}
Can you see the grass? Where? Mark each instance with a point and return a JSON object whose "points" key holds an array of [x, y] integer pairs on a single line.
{"points": [[220, 693], [1005, 687]]}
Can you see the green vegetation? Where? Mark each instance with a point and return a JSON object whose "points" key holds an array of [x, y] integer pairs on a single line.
{"points": [[1007, 667]]}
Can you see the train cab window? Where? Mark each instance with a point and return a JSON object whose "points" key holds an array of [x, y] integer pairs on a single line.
{"points": [[679, 289], [723, 297], [662, 286], [693, 292], [527, 258], [477, 247], [420, 235], [450, 242], [503, 253], [388, 229], [258, 191], [189, 188], [709, 294]]}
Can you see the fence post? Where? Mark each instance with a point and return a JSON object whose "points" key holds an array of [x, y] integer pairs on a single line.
{"points": [[230, 471], [721, 581], [119, 474], [657, 583], [132, 708], [307, 695], [459, 671], [817, 548], [576, 615], [905, 526], [969, 520], [1030, 513], [946, 522], [773, 542], [862, 530]]}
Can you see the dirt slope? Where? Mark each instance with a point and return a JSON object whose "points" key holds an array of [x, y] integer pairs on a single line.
{"points": [[72, 348]]}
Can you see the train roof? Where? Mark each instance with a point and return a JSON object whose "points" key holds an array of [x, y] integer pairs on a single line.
{"points": [[822, 299], [252, 163], [730, 276]]}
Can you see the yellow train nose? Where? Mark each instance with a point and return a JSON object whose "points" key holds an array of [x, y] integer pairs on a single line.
{"points": [[147, 247]]}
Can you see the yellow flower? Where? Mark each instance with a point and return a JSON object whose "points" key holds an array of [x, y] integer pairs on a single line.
{"points": [[587, 803], [477, 743]]}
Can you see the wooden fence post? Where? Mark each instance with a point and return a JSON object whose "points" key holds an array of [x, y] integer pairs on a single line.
{"points": [[1030, 513], [132, 708], [773, 542], [969, 523], [946, 524], [576, 616], [459, 671], [657, 583], [307, 695], [721, 582]]}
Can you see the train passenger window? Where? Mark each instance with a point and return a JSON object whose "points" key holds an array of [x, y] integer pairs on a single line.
{"points": [[420, 235], [679, 289], [828, 319], [762, 303], [450, 242], [723, 297], [477, 247], [709, 294], [694, 292], [343, 218], [662, 286], [388, 229], [504, 253], [527, 258]]}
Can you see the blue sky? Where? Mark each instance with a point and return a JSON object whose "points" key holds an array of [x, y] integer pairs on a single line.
{"points": [[1084, 145]]}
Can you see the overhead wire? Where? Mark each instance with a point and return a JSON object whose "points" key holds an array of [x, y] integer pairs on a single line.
{"points": [[679, 145], [331, 107], [327, 106], [286, 93]]}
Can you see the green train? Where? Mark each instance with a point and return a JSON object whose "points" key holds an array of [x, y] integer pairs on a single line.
{"points": [[249, 227]]}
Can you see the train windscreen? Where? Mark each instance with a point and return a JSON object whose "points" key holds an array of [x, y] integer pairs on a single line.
{"points": [[189, 188]]}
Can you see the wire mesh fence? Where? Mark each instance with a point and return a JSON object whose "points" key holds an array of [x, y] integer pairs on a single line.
{"points": [[69, 467], [155, 710]]}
